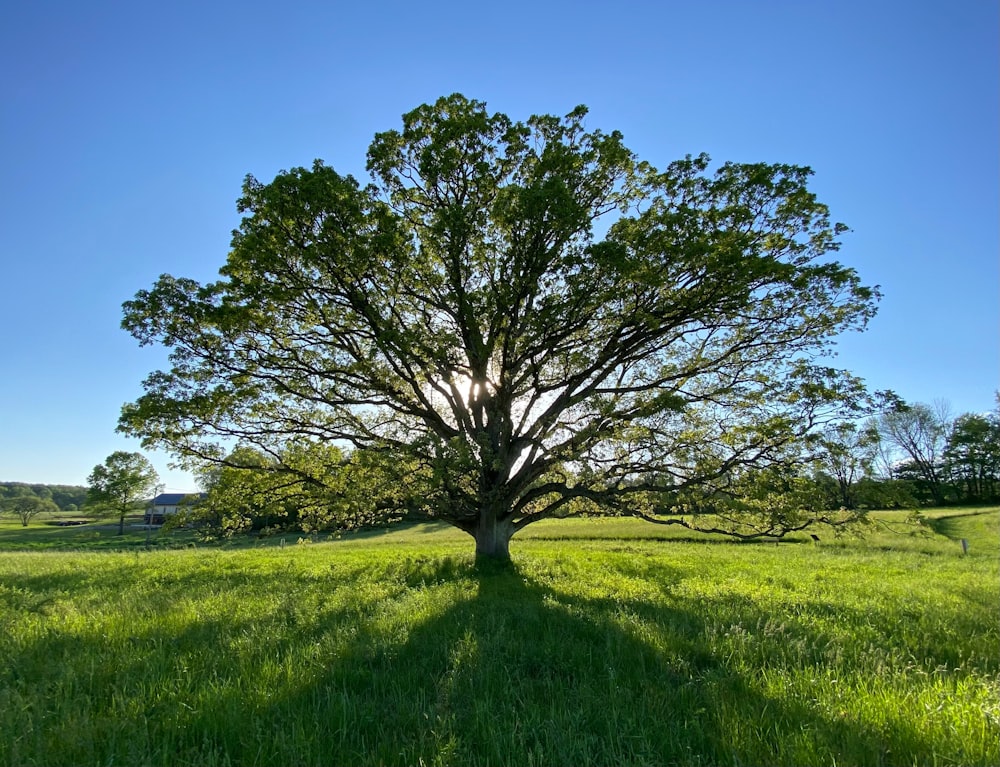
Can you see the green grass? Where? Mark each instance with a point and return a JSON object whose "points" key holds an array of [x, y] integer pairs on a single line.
{"points": [[608, 642]]}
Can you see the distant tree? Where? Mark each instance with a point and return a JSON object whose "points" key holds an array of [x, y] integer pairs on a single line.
{"points": [[846, 453], [253, 491], [69, 497], [121, 483], [64, 496], [885, 493], [919, 432], [17, 490], [42, 491], [972, 456], [26, 507], [529, 315]]}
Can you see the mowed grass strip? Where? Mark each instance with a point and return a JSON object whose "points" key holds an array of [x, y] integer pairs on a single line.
{"points": [[600, 646]]}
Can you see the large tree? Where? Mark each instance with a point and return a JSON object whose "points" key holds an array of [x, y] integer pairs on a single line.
{"points": [[26, 507], [519, 319], [121, 484]]}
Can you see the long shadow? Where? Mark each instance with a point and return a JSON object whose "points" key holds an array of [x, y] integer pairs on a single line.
{"points": [[512, 671], [521, 673], [946, 525]]}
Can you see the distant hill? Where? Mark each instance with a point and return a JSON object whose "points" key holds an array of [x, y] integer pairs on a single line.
{"points": [[66, 497]]}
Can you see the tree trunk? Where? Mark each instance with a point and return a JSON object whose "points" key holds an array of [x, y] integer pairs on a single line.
{"points": [[121, 525], [493, 536]]}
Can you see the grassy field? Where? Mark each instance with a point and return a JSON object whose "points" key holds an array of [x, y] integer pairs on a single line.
{"points": [[608, 642]]}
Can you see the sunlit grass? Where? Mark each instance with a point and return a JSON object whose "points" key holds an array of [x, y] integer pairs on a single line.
{"points": [[601, 646]]}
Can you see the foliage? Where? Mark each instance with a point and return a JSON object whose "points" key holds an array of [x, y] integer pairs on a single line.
{"points": [[847, 454], [122, 482], [972, 456], [873, 493], [772, 503], [26, 507], [308, 488], [397, 649], [942, 460], [66, 497], [525, 314], [919, 431]]}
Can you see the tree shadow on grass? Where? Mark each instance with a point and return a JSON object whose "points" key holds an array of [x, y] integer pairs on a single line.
{"points": [[455, 664], [953, 526], [521, 673], [524, 673]]}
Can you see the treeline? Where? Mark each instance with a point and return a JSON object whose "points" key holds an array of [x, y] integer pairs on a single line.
{"points": [[65, 497], [911, 455], [905, 456], [941, 459]]}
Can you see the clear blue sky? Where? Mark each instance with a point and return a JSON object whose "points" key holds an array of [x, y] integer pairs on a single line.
{"points": [[126, 129]]}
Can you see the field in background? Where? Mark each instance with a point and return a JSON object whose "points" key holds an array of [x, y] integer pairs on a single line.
{"points": [[931, 530], [609, 642]]}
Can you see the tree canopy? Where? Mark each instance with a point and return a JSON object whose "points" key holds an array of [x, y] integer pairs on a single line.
{"points": [[514, 320], [972, 455], [122, 482], [941, 460], [66, 497], [920, 432], [26, 507]]}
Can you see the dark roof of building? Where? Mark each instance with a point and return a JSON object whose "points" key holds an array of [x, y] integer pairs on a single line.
{"points": [[173, 499]]}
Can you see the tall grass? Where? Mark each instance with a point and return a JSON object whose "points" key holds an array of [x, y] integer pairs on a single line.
{"points": [[601, 647]]}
